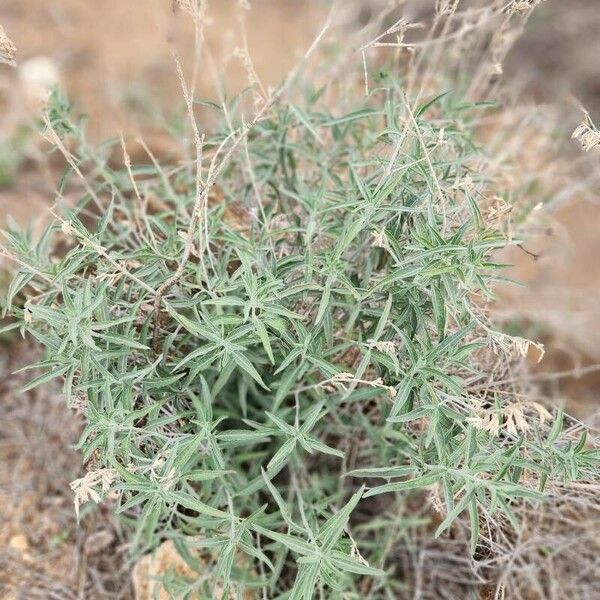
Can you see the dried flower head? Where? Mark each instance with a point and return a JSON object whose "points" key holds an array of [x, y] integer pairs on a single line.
{"points": [[519, 6], [587, 134], [342, 380], [8, 50], [498, 211], [465, 184], [85, 487], [515, 345], [244, 56], [486, 421], [185, 5], [379, 240], [67, 228], [514, 419], [195, 8], [385, 347], [444, 8]]}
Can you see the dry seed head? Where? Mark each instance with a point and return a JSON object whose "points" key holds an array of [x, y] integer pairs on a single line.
{"points": [[189, 6], [486, 421], [465, 183], [542, 411], [444, 8], [194, 8], [342, 378], [379, 240], [244, 57], [385, 347], [514, 345], [67, 228], [499, 210], [400, 29], [84, 487], [587, 134], [514, 419], [8, 50], [519, 6]]}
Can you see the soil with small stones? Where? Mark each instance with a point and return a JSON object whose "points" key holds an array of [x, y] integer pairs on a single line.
{"points": [[44, 553], [114, 61]]}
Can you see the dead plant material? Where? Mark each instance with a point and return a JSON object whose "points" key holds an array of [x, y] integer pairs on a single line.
{"points": [[587, 134], [8, 50]]}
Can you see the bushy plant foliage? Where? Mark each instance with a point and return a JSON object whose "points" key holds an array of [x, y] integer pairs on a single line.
{"points": [[271, 386]]}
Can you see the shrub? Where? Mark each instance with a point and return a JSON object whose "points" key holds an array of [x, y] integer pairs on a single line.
{"points": [[280, 345]]}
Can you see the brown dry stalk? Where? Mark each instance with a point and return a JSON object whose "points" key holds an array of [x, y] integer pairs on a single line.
{"points": [[54, 139], [587, 133], [201, 198], [203, 188], [423, 145], [127, 162]]}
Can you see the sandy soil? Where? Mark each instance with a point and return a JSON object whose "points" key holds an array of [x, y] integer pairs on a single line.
{"points": [[108, 53], [555, 62]]}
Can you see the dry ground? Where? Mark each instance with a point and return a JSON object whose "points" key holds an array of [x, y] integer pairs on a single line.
{"points": [[44, 554], [556, 62]]}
